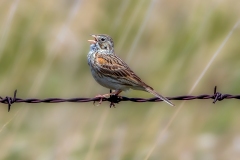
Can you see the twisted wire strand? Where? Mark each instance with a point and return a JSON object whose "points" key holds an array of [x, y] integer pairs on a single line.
{"points": [[115, 99]]}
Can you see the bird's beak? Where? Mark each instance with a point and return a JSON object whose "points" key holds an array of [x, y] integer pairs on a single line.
{"points": [[93, 41]]}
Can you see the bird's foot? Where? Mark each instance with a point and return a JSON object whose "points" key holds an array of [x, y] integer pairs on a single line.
{"points": [[101, 98], [112, 97]]}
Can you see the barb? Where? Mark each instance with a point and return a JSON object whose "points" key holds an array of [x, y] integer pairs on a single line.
{"points": [[115, 99], [9, 100]]}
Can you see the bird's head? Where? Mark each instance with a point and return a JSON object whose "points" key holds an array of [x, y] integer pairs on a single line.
{"points": [[103, 42]]}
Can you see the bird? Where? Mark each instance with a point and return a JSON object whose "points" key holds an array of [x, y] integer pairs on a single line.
{"points": [[112, 72]]}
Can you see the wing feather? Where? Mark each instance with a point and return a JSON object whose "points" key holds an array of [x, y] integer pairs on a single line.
{"points": [[112, 66]]}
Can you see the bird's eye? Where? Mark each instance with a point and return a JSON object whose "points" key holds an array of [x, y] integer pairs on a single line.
{"points": [[102, 39]]}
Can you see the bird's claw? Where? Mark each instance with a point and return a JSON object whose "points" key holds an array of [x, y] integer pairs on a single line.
{"points": [[100, 101], [113, 98]]}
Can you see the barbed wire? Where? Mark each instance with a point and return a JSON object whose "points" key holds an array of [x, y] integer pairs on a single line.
{"points": [[113, 99]]}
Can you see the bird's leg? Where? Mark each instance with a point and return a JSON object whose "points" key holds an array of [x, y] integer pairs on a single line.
{"points": [[103, 96], [116, 93]]}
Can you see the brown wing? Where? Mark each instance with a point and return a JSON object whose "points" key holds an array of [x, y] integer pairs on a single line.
{"points": [[112, 66]]}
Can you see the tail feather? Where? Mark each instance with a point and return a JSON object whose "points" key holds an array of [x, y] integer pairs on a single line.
{"points": [[150, 90]]}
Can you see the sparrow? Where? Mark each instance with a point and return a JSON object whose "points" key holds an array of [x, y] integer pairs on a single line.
{"points": [[112, 72]]}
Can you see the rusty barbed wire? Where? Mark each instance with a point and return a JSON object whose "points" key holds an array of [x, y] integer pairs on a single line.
{"points": [[216, 96]]}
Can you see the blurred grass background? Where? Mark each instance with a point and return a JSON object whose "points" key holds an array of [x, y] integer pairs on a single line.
{"points": [[43, 49]]}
